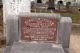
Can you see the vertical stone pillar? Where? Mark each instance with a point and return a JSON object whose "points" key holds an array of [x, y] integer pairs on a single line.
{"points": [[64, 31], [11, 8]]}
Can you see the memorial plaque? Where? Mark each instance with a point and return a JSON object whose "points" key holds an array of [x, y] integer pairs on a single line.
{"points": [[41, 29]]}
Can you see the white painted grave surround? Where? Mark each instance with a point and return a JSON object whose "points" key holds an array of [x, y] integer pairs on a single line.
{"points": [[14, 7]]}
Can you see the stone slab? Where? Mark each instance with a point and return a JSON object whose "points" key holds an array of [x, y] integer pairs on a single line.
{"points": [[20, 47], [38, 28]]}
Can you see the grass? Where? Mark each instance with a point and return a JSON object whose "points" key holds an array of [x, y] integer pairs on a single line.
{"points": [[1, 20], [1, 17], [75, 16]]}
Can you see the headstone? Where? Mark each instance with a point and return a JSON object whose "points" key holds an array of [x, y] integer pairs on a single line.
{"points": [[51, 4], [38, 28], [13, 7], [39, 1]]}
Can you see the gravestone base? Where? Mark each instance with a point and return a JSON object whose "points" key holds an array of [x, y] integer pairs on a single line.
{"points": [[20, 47]]}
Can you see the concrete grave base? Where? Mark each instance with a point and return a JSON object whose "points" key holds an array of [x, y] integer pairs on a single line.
{"points": [[20, 47]]}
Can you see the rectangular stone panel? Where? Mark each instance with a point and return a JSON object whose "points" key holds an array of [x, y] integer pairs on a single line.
{"points": [[40, 29], [35, 48]]}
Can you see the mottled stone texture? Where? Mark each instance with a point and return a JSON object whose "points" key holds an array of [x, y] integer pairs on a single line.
{"points": [[40, 29], [35, 48]]}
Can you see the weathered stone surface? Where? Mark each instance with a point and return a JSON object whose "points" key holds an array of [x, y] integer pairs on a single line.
{"points": [[36, 48], [40, 28]]}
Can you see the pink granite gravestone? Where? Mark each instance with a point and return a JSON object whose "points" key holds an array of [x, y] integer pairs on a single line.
{"points": [[40, 29]]}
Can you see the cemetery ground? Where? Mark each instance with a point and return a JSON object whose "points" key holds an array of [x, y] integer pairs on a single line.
{"points": [[73, 12], [75, 34]]}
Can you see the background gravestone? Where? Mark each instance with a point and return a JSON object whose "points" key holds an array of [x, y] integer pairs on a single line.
{"points": [[13, 7], [39, 1]]}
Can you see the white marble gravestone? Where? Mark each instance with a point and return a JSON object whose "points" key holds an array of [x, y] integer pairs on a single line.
{"points": [[13, 7]]}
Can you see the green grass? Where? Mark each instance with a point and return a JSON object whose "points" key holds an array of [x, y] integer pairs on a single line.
{"points": [[1, 17], [75, 16]]}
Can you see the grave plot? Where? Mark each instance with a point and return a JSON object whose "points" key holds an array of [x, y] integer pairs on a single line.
{"points": [[43, 28]]}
